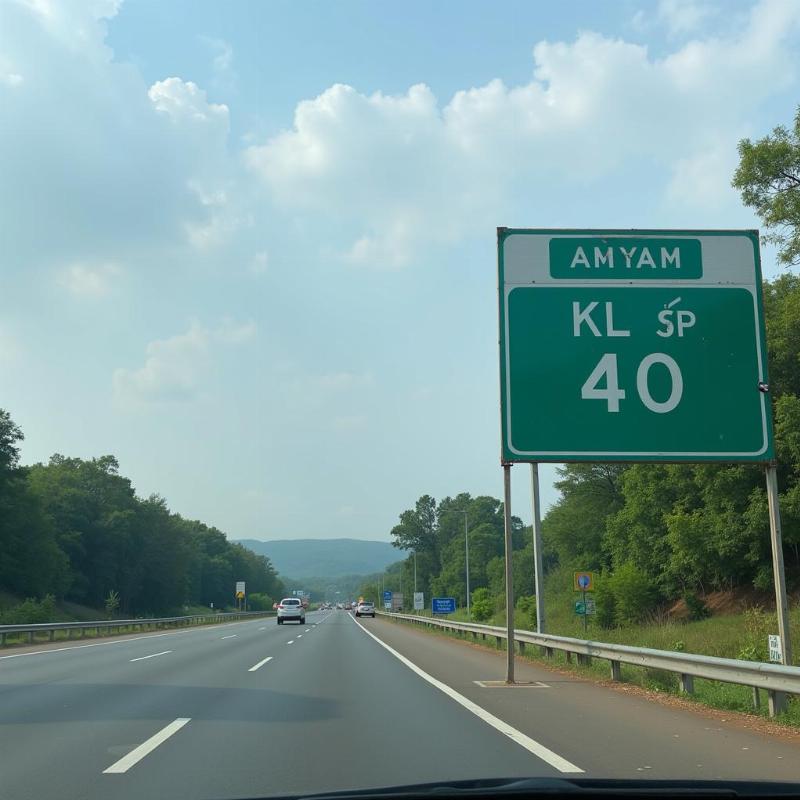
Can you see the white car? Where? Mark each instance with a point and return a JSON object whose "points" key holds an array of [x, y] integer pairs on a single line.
{"points": [[291, 608], [365, 609]]}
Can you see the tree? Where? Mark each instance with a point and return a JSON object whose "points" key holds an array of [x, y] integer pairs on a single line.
{"points": [[768, 177]]}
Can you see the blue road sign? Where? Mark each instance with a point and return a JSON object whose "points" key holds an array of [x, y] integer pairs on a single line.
{"points": [[584, 581], [443, 605], [387, 597]]}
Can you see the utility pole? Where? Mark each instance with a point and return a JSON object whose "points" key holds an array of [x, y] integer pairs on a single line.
{"points": [[466, 545]]}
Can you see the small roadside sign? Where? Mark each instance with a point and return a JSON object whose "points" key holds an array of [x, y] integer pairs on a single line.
{"points": [[775, 649], [443, 605], [239, 587], [387, 600], [583, 581], [419, 601], [240, 595], [583, 607]]}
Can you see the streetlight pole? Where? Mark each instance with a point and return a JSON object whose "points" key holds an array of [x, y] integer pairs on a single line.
{"points": [[415, 572], [466, 546]]}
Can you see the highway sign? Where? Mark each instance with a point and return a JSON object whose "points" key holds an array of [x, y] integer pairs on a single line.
{"points": [[443, 605], [240, 595], [419, 601], [583, 581], [240, 588], [632, 346], [775, 649], [387, 600], [585, 606]]}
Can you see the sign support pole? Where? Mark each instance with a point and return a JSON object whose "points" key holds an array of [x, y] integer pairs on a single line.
{"points": [[509, 574], [781, 604], [538, 576]]}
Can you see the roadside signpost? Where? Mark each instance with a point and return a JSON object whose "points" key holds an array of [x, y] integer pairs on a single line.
{"points": [[387, 600], [240, 594], [419, 601], [583, 582], [443, 605], [634, 346], [585, 606]]}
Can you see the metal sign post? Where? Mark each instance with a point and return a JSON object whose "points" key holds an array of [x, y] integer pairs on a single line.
{"points": [[781, 604], [509, 574], [538, 576]]}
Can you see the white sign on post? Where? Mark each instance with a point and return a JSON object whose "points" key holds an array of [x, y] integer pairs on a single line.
{"points": [[419, 601], [239, 587], [775, 649]]}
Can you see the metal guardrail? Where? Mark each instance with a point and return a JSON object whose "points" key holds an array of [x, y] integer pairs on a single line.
{"points": [[108, 624], [777, 679]]}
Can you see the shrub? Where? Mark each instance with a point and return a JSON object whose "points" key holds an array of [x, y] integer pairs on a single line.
{"points": [[605, 603], [32, 611], [481, 605], [696, 607], [258, 601], [526, 605], [633, 594]]}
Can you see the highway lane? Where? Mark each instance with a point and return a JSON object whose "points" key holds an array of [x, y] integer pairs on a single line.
{"points": [[253, 709]]}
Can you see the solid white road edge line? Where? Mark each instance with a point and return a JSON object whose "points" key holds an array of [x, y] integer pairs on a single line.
{"points": [[531, 745], [260, 664], [153, 655], [138, 753]]}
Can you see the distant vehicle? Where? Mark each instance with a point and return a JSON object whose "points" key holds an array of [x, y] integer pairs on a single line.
{"points": [[365, 609], [291, 608]]}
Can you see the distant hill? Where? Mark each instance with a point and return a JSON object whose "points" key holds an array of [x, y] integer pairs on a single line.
{"points": [[308, 558]]}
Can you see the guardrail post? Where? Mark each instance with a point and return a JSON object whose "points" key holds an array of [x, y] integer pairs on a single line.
{"points": [[498, 642], [616, 670], [756, 699], [687, 683], [522, 648], [549, 652], [777, 702], [2, 640], [583, 659], [52, 635], [568, 656], [30, 637]]}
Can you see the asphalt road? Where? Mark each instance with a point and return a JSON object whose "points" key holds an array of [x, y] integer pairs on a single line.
{"points": [[252, 709]]}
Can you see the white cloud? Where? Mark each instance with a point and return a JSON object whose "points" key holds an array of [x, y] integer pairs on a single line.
{"points": [[388, 176], [175, 368], [684, 16], [93, 282], [185, 102], [221, 62]]}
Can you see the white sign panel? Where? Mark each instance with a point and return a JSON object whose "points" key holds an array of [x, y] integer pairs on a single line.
{"points": [[775, 649], [419, 601], [239, 587]]}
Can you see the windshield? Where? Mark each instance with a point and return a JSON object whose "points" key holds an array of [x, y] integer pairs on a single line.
{"points": [[419, 375]]}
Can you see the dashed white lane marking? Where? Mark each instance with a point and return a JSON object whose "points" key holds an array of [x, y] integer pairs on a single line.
{"points": [[307, 630], [299, 635], [232, 636], [152, 655], [263, 629], [260, 664], [531, 745], [290, 641], [138, 753]]}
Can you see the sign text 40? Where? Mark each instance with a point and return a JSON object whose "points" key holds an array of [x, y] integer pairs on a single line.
{"points": [[612, 394]]}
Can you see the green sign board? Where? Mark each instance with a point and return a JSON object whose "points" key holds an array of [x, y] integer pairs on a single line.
{"points": [[632, 346]]}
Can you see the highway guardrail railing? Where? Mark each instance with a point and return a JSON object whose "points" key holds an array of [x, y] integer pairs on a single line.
{"points": [[50, 628], [776, 679]]}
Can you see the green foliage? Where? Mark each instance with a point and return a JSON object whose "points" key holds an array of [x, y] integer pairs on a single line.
{"points": [[31, 612], [112, 603], [696, 607], [259, 601], [526, 607], [605, 603], [75, 529], [633, 594], [481, 606], [768, 177], [756, 629]]}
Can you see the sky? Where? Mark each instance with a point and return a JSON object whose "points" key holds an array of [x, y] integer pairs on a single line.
{"points": [[249, 248]]}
